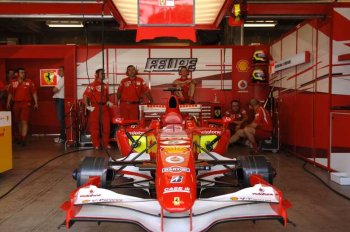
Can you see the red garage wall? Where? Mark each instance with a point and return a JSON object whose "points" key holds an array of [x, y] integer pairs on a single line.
{"points": [[219, 71], [308, 94], [32, 59]]}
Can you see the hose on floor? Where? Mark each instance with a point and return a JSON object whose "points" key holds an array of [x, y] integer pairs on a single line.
{"points": [[38, 168], [324, 183]]}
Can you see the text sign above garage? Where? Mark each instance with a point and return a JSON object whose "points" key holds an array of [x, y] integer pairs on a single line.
{"points": [[300, 58]]}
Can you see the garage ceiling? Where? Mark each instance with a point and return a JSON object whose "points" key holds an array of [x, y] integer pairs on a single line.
{"points": [[27, 20]]}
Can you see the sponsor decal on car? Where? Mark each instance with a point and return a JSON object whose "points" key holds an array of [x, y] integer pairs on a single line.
{"points": [[211, 132], [177, 201], [136, 132], [90, 195], [114, 200], [174, 159], [174, 142], [176, 179], [175, 150], [175, 169], [176, 190]]}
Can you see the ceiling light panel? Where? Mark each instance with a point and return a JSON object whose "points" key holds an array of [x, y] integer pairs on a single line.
{"points": [[206, 11], [128, 10]]}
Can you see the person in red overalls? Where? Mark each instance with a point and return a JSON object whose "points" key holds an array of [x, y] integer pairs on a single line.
{"points": [[129, 93], [187, 86], [96, 99], [238, 115], [21, 91], [260, 128]]}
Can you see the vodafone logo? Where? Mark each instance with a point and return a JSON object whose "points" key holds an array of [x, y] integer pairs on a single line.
{"points": [[136, 132], [174, 159], [211, 132], [242, 84]]}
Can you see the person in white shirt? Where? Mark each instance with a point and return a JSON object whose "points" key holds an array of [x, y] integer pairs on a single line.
{"points": [[58, 96]]}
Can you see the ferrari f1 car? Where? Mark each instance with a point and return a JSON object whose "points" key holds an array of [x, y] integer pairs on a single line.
{"points": [[176, 164]]}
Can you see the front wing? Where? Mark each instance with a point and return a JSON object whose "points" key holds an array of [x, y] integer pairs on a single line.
{"points": [[90, 203]]}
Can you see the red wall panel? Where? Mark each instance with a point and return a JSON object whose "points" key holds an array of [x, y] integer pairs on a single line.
{"points": [[303, 124], [287, 114], [44, 119], [321, 122], [340, 129], [33, 58]]}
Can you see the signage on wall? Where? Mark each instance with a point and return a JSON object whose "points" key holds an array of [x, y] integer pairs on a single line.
{"points": [[170, 64], [166, 2], [300, 58], [242, 66], [48, 77], [242, 86]]}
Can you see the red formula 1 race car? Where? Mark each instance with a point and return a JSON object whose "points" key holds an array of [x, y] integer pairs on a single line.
{"points": [[174, 162]]}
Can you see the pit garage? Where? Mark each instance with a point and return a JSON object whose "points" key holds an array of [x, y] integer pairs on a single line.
{"points": [[169, 115]]}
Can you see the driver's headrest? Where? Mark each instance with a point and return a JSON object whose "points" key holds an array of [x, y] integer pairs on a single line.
{"points": [[172, 117]]}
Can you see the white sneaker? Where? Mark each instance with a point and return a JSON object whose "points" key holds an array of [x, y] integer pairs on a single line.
{"points": [[58, 140], [248, 144]]}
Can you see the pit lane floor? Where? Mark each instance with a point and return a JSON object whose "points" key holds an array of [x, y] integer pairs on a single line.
{"points": [[34, 205]]}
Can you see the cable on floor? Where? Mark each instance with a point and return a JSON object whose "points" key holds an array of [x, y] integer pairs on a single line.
{"points": [[324, 183], [38, 168]]}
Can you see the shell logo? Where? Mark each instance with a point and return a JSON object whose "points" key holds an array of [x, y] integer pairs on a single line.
{"points": [[175, 150], [242, 66]]}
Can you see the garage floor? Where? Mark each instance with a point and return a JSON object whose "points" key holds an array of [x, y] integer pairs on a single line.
{"points": [[34, 205]]}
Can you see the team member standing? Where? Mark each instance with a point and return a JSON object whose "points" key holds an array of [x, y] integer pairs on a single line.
{"points": [[58, 96], [238, 115], [96, 99], [21, 91], [130, 92], [187, 86], [260, 128]]}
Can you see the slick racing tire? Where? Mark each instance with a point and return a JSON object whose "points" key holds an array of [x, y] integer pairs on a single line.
{"points": [[93, 166], [249, 165]]}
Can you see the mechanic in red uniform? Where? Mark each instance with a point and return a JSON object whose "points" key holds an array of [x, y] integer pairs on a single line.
{"points": [[129, 93], [21, 91], [96, 99], [238, 115], [260, 128], [187, 85]]}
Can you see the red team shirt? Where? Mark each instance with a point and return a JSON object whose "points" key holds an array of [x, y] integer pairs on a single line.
{"points": [[131, 89], [22, 92], [93, 92], [185, 88], [237, 116], [263, 119]]}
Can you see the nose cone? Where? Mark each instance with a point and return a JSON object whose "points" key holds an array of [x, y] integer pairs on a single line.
{"points": [[177, 199]]}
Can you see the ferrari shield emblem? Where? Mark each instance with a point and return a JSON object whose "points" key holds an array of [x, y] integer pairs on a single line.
{"points": [[48, 77], [217, 112], [177, 201]]}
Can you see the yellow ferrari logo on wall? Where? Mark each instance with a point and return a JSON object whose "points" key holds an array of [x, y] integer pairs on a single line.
{"points": [[48, 77]]}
